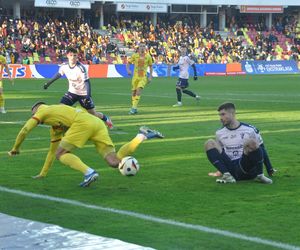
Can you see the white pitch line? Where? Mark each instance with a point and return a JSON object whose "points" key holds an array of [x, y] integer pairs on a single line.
{"points": [[215, 96], [12, 122], [156, 219]]}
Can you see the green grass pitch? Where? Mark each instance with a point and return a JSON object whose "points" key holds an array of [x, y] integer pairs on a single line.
{"points": [[172, 183]]}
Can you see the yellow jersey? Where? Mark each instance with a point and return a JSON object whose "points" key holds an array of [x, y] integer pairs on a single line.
{"points": [[57, 115], [61, 118], [2, 63], [73, 126], [141, 64]]}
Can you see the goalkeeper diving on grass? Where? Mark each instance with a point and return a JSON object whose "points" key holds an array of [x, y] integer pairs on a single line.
{"points": [[71, 128]]}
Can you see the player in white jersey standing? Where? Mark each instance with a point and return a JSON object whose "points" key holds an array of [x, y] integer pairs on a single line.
{"points": [[238, 151], [182, 84], [79, 85]]}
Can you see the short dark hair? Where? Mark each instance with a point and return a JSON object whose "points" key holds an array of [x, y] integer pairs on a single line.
{"points": [[72, 50], [37, 104], [226, 106]]}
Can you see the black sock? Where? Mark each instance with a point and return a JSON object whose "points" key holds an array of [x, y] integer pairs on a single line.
{"points": [[213, 156], [104, 118], [188, 92], [255, 161], [179, 94]]}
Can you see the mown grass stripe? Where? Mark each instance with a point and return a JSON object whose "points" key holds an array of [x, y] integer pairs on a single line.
{"points": [[156, 219]]}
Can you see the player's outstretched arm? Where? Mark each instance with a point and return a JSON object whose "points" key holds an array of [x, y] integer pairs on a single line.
{"points": [[49, 159], [30, 124], [195, 71], [176, 67], [53, 79]]}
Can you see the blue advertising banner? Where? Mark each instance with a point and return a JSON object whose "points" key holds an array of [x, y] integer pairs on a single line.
{"points": [[163, 70], [160, 70], [270, 67]]}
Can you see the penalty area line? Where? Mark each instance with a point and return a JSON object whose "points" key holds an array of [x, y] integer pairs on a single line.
{"points": [[155, 219]]}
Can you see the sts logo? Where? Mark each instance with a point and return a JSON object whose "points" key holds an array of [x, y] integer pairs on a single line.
{"points": [[16, 71]]}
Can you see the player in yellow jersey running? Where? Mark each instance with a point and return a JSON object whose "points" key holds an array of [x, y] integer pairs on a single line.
{"points": [[3, 64], [71, 128], [141, 62]]}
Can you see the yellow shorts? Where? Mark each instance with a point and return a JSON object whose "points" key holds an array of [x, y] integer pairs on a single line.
{"points": [[87, 127], [138, 82]]}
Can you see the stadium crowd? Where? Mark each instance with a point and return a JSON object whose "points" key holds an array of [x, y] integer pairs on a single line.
{"points": [[45, 40], [243, 41]]}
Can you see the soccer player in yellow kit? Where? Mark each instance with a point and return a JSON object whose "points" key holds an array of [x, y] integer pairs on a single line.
{"points": [[3, 64], [141, 62], [71, 128]]}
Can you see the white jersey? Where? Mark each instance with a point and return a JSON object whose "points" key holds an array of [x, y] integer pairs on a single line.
{"points": [[76, 77], [232, 140], [184, 64]]}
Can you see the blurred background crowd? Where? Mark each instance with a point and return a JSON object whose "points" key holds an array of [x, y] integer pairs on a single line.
{"points": [[44, 39]]}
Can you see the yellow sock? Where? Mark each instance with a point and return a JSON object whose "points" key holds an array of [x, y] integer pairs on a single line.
{"points": [[1, 101], [130, 147], [132, 100], [136, 101], [74, 162]]}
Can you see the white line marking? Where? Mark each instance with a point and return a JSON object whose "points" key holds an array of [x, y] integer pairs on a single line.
{"points": [[235, 93], [12, 122], [156, 219]]}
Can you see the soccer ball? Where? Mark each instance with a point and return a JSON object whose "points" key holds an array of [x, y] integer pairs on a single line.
{"points": [[129, 166]]}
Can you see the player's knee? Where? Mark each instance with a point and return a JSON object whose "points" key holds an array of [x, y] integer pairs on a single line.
{"points": [[210, 144], [139, 91], [58, 155], [112, 160], [60, 152], [250, 145]]}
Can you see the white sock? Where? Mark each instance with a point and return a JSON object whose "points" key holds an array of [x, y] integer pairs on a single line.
{"points": [[89, 171], [142, 137]]}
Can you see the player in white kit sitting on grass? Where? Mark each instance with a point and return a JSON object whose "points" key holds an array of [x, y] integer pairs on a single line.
{"points": [[238, 152]]}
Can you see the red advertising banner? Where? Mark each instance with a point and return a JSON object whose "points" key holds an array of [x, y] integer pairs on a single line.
{"points": [[261, 9], [98, 70], [233, 67]]}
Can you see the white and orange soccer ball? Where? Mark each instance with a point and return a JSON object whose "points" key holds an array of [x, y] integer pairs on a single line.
{"points": [[129, 166]]}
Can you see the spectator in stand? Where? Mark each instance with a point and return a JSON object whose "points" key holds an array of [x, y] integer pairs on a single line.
{"points": [[43, 35]]}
